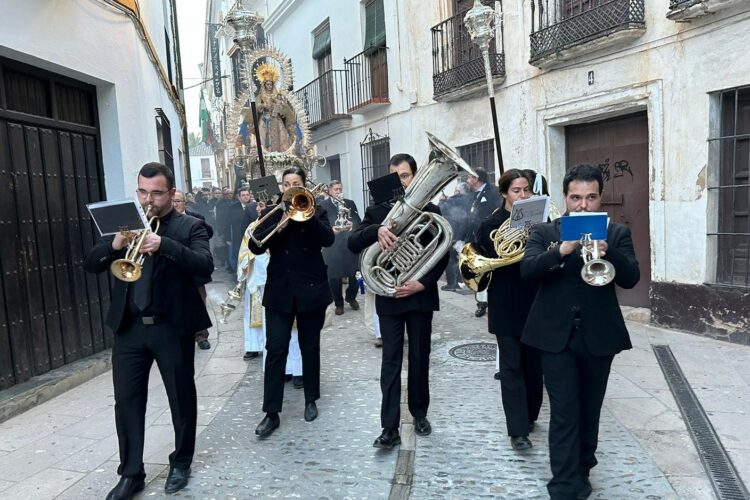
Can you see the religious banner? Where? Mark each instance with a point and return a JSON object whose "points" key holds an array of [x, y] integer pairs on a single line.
{"points": [[215, 58]]}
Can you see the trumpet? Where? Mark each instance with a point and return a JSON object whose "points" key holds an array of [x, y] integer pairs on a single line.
{"points": [[297, 203], [595, 271], [130, 267]]}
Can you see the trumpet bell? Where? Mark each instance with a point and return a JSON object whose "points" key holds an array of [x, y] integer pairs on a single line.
{"points": [[474, 268], [126, 270], [598, 272]]}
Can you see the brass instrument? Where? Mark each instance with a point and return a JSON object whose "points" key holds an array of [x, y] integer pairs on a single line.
{"points": [[595, 271], [414, 254], [510, 247], [129, 268], [297, 203]]}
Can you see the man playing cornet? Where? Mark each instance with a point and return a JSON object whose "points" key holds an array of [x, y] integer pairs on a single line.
{"points": [[578, 328], [154, 319]]}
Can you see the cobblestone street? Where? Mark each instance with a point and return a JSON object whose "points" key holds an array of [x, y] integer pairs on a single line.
{"points": [[67, 447]]}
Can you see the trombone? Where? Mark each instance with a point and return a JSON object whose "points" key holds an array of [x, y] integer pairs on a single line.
{"points": [[297, 204], [130, 267]]}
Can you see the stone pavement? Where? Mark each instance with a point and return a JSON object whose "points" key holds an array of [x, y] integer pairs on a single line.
{"points": [[67, 447]]}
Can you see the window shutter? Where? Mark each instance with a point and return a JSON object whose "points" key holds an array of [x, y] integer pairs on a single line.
{"points": [[374, 26], [322, 42]]}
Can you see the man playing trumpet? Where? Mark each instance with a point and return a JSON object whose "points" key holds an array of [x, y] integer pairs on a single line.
{"points": [[154, 319]]}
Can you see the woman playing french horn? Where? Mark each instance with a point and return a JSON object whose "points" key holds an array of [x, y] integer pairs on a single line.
{"points": [[296, 290], [510, 299]]}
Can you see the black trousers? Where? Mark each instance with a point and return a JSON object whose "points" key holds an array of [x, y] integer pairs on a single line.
{"points": [[278, 334], [521, 384], [419, 327], [451, 272], [351, 290], [133, 353], [576, 382]]}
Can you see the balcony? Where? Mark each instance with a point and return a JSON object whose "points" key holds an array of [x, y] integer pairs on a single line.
{"points": [[564, 29], [687, 10], [367, 80], [324, 99], [457, 65]]}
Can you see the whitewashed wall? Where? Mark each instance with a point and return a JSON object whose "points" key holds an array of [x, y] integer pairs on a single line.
{"points": [[91, 42]]}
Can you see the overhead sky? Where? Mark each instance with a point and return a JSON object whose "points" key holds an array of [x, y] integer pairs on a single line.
{"points": [[191, 19]]}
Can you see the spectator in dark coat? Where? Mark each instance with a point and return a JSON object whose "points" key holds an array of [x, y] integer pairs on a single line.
{"points": [[239, 215]]}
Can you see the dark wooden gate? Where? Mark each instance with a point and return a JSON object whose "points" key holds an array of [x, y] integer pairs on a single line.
{"points": [[619, 147], [50, 167]]}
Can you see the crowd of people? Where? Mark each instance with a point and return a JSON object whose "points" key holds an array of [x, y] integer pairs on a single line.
{"points": [[552, 329]]}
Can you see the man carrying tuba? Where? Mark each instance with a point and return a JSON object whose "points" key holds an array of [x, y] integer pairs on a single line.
{"points": [[412, 306], [154, 319]]}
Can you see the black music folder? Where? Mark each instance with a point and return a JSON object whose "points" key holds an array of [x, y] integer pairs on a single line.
{"points": [[112, 217], [264, 189], [386, 188]]}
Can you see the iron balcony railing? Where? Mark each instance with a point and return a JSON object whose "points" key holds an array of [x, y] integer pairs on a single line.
{"points": [[324, 99], [456, 60], [560, 24], [367, 78]]}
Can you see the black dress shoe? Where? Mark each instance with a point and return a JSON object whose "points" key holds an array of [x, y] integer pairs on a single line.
{"points": [[532, 426], [497, 375], [266, 426], [422, 426], [311, 411], [585, 491], [176, 480], [353, 304], [481, 309], [520, 443], [249, 355], [339, 310], [126, 488], [449, 288], [298, 382], [387, 439], [204, 345]]}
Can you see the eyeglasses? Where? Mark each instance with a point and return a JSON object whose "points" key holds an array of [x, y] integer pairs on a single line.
{"points": [[153, 194]]}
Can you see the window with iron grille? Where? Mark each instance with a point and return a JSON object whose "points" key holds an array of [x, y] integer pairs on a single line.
{"points": [[376, 153], [164, 139], [731, 169], [480, 155], [205, 168]]}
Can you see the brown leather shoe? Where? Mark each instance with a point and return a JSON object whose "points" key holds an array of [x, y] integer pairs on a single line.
{"points": [[339, 310]]}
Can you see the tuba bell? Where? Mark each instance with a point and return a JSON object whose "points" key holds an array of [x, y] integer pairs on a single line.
{"points": [[423, 237], [129, 268]]}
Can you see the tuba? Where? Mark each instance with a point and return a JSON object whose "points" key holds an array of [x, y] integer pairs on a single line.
{"points": [[510, 247], [423, 237], [129, 268]]}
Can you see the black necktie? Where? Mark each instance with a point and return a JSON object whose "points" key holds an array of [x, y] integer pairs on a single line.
{"points": [[142, 287]]}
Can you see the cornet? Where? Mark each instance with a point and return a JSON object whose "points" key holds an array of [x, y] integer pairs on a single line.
{"points": [[130, 267], [596, 271]]}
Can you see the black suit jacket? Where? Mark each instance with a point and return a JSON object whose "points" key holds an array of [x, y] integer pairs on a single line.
{"points": [[297, 277], [509, 297], [183, 256], [483, 203], [202, 280], [563, 294], [340, 260], [367, 234]]}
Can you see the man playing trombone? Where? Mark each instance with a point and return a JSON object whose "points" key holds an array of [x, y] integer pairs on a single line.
{"points": [[154, 318], [578, 328]]}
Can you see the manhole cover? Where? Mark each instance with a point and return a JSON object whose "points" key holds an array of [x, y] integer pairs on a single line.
{"points": [[479, 351]]}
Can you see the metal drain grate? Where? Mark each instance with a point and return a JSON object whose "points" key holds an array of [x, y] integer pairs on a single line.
{"points": [[479, 351], [716, 462]]}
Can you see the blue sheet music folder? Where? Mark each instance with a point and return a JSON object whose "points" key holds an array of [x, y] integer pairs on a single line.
{"points": [[573, 227]]}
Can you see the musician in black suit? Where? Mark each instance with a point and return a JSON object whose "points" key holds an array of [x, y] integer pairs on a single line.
{"points": [[341, 262], [412, 307], [296, 289], [486, 199], [578, 329], [509, 299], [154, 318]]}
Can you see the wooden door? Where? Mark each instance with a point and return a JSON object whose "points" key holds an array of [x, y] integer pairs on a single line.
{"points": [[619, 147]]}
